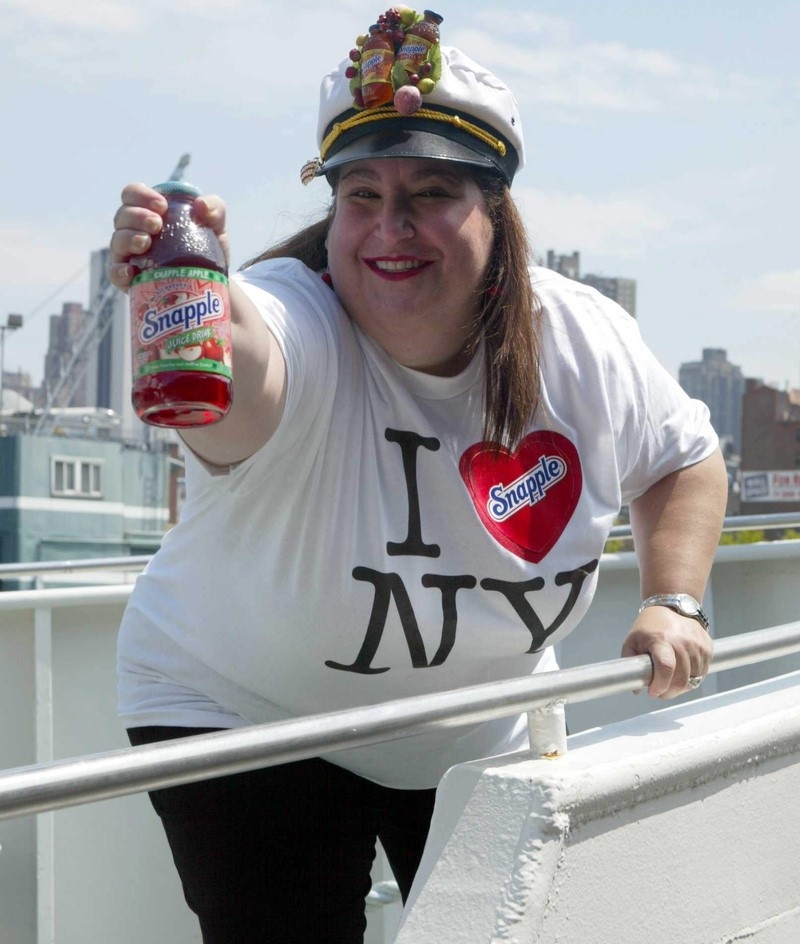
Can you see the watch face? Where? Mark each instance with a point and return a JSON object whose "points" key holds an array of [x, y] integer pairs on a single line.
{"points": [[688, 606]]}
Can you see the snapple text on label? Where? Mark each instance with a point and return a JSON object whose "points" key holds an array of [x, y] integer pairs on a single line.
{"points": [[181, 321]]}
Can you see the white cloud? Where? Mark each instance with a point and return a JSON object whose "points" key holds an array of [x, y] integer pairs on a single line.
{"points": [[776, 292], [689, 212], [623, 225], [37, 260], [102, 16], [547, 63]]}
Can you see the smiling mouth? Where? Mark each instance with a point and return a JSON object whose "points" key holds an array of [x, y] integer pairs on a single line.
{"points": [[397, 268]]}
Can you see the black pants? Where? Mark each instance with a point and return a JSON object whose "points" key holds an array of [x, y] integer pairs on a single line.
{"points": [[283, 854]]}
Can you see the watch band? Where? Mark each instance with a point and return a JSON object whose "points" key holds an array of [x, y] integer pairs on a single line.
{"points": [[682, 603]]}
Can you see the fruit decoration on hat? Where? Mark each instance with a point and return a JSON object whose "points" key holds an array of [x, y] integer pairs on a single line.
{"points": [[391, 68], [397, 62]]}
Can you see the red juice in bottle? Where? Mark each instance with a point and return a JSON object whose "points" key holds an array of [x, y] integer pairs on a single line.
{"points": [[377, 59], [180, 320], [420, 37]]}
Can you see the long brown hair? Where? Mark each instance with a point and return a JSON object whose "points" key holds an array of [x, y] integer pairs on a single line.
{"points": [[508, 313]]}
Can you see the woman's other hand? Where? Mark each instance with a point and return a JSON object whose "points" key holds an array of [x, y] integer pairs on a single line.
{"points": [[679, 647]]}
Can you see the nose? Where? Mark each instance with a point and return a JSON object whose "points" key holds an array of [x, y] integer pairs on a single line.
{"points": [[395, 219]]}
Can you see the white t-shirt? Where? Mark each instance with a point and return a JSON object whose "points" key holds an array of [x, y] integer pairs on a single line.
{"points": [[374, 548]]}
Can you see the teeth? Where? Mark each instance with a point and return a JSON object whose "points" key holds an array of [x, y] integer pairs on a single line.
{"points": [[386, 265]]}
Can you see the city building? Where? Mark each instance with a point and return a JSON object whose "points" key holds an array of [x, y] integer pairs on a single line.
{"points": [[88, 362], [622, 291], [80, 475], [720, 385], [70, 497], [568, 266], [770, 467], [65, 356], [20, 383]]}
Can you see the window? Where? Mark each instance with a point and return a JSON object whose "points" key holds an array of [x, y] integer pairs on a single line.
{"points": [[78, 478]]}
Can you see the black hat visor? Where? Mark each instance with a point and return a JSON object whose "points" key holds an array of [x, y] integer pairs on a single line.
{"points": [[400, 138]]}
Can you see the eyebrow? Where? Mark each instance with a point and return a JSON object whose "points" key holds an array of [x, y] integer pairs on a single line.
{"points": [[425, 173]]}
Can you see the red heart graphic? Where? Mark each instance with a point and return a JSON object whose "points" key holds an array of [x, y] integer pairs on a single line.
{"points": [[524, 498]]}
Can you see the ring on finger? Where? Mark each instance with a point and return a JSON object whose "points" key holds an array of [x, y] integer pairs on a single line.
{"points": [[694, 681]]}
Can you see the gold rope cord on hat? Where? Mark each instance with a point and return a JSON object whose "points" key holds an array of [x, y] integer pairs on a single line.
{"points": [[388, 111]]}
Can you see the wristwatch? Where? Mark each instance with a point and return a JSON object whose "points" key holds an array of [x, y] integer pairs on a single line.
{"points": [[682, 603]]}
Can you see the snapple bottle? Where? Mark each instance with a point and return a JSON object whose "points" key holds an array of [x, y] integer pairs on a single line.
{"points": [[180, 320], [377, 59], [420, 37]]}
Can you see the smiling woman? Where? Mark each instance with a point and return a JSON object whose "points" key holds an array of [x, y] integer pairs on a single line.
{"points": [[428, 445]]}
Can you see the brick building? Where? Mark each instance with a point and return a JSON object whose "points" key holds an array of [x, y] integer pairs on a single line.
{"points": [[770, 469]]}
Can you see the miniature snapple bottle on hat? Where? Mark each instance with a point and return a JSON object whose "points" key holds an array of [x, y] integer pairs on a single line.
{"points": [[180, 319], [376, 60], [420, 37]]}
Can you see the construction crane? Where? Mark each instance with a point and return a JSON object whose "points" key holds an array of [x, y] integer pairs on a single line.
{"points": [[177, 174], [102, 311]]}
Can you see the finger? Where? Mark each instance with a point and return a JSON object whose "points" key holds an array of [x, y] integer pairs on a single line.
{"points": [[126, 243], [140, 195], [664, 669], [121, 274], [138, 218], [700, 663], [209, 210]]}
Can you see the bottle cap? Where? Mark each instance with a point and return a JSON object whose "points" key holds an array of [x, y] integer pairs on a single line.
{"points": [[177, 186]]}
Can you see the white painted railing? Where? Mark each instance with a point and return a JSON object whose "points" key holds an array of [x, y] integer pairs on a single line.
{"points": [[102, 776], [97, 872]]}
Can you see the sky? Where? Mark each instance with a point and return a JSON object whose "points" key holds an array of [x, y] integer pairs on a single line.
{"points": [[662, 143]]}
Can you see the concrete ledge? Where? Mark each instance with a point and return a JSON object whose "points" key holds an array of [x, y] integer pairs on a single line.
{"points": [[676, 827]]}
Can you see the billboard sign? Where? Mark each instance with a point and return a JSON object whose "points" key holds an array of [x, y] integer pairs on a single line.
{"points": [[773, 486]]}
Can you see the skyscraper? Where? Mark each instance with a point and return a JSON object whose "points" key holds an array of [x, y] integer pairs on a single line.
{"points": [[63, 354], [622, 291], [568, 266], [720, 385]]}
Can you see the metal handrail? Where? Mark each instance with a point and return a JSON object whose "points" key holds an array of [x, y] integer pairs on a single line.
{"points": [[783, 519], [40, 568], [60, 784]]}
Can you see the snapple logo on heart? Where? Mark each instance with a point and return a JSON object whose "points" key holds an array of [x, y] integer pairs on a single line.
{"points": [[524, 498]]}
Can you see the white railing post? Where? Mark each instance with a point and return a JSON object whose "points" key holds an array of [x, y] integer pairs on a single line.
{"points": [[547, 730], [45, 822]]}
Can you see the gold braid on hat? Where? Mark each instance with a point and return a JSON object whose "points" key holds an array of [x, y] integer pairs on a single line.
{"points": [[388, 112]]}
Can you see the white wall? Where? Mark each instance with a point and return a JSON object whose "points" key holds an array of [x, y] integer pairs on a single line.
{"points": [[678, 827], [100, 872]]}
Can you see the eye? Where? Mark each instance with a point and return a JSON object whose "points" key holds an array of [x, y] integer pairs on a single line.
{"points": [[434, 193], [363, 193]]}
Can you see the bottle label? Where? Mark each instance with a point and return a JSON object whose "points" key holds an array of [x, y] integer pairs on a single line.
{"points": [[416, 49], [376, 66], [180, 320]]}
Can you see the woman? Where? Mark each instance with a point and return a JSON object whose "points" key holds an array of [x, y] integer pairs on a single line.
{"points": [[427, 448]]}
